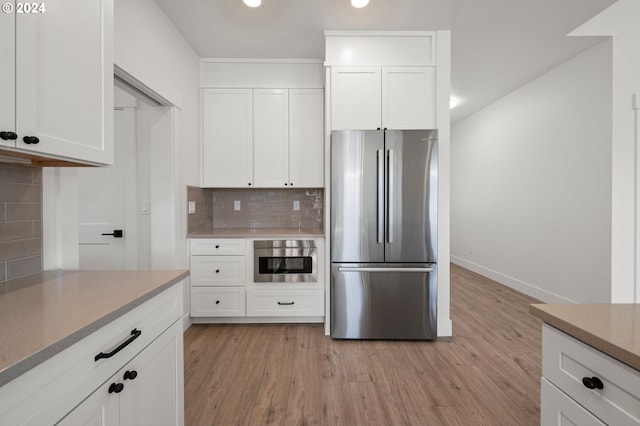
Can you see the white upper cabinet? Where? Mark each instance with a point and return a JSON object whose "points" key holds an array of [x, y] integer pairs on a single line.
{"points": [[263, 123], [382, 79], [383, 97], [356, 98], [409, 98], [227, 138], [306, 138], [7, 79], [63, 83], [271, 138]]}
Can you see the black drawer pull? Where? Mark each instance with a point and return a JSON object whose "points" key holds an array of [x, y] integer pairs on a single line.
{"points": [[31, 140], [135, 333], [286, 303], [592, 383]]}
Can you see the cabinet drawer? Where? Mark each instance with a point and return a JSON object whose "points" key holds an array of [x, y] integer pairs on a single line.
{"points": [[566, 361], [265, 303], [217, 302], [217, 246], [217, 270], [556, 408], [57, 385]]}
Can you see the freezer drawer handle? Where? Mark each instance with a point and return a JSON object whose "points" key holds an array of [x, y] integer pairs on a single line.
{"points": [[135, 333], [286, 303], [342, 269]]}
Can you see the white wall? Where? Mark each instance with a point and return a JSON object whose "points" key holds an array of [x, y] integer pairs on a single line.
{"points": [[620, 21], [149, 48], [531, 184]]}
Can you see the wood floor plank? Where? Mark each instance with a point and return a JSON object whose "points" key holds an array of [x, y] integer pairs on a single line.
{"points": [[488, 373]]}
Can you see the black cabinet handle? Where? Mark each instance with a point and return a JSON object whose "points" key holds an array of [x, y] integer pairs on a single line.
{"points": [[217, 246], [130, 375], [135, 333], [116, 388], [592, 383], [249, 183], [286, 303], [117, 233], [285, 184], [8, 136], [31, 140], [217, 271], [291, 184], [217, 302]]}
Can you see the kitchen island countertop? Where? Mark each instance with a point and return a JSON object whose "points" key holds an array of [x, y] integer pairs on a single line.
{"points": [[613, 329], [43, 314]]}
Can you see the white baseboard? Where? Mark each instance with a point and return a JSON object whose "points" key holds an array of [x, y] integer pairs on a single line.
{"points": [[514, 283]]}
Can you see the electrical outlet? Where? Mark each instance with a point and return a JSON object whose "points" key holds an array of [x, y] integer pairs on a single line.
{"points": [[236, 205], [192, 207], [296, 205]]}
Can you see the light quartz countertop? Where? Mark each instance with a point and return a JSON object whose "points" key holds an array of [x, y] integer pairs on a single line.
{"points": [[43, 314], [611, 328], [259, 233]]}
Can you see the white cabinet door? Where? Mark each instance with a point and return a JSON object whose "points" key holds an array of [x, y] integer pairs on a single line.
{"points": [[355, 98], [306, 138], [64, 80], [100, 409], [227, 138], [408, 98], [154, 394], [7, 77], [557, 409], [271, 138], [149, 390]]}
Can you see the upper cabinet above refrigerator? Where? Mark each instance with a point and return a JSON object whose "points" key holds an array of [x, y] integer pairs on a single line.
{"points": [[382, 80], [383, 98]]}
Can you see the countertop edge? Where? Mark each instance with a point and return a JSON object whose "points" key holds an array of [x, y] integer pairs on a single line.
{"points": [[257, 233], [19, 368], [622, 355]]}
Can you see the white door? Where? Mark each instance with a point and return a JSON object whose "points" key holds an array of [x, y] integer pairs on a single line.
{"points": [[106, 195]]}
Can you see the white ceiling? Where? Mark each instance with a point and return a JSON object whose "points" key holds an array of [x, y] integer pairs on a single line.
{"points": [[497, 45]]}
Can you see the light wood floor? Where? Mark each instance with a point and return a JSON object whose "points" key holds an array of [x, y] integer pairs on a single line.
{"points": [[488, 373]]}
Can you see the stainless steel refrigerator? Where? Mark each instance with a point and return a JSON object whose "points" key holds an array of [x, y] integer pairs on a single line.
{"points": [[384, 234]]}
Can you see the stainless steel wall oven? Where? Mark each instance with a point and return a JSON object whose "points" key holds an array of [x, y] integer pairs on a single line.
{"points": [[285, 261]]}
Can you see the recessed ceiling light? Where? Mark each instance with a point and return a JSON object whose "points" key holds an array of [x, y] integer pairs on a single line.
{"points": [[359, 3], [252, 3]]}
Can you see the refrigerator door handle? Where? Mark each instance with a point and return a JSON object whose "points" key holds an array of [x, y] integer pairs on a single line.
{"points": [[392, 269], [380, 195], [390, 195]]}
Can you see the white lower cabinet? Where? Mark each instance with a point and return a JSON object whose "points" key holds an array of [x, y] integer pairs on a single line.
{"points": [[72, 387], [217, 302], [576, 375], [222, 287], [560, 410], [147, 391], [272, 302]]}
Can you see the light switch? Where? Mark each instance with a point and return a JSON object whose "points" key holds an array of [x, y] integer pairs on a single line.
{"points": [[296, 205], [236, 205], [192, 207]]}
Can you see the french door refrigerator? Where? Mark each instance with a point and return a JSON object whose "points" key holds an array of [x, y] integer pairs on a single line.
{"points": [[383, 234]]}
